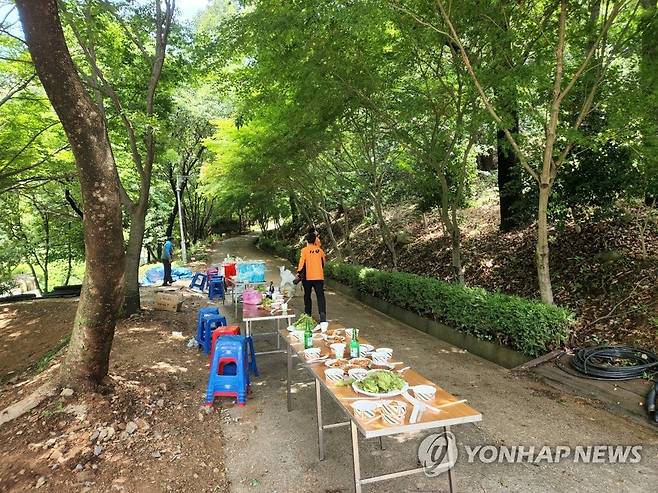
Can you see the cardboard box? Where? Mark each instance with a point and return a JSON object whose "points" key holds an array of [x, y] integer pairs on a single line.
{"points": [[168, 301]]}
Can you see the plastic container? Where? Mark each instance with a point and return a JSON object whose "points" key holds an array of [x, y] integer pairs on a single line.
{"points": [[251, 297], [251, 271]]}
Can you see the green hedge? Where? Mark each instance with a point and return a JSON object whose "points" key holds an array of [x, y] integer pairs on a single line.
{"points": [[278, 248], [527, 326]]}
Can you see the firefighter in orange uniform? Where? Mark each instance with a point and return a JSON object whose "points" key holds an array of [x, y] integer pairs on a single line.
{"points": [[311, 272]]}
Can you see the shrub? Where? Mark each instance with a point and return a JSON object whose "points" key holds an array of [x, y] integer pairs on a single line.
{"points": [[278, 248], [528, 326]]}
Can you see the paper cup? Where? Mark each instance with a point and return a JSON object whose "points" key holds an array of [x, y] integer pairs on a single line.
{"points": [[284, 307], [324, 326], [338, 348]]}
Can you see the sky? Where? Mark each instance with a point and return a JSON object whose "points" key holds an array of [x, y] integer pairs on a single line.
{"points": [[187, 9], [190, 8]]}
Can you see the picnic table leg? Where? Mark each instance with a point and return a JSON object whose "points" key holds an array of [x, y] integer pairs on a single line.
{"points": [[318, 406], [355, 457], [451, 475], [289, 356]]}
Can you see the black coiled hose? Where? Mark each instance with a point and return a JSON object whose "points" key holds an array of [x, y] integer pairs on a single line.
{"points": [[602, 362]]}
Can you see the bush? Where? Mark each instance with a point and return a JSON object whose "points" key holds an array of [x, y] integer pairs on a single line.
{"points": [[278, 248], [527, 326]]}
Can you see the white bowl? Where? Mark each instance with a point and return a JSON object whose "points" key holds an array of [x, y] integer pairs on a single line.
{"points": [[312, 353], [394, 412], [334, 374], [357, 374], [424, 392], [384, 350], [380, 358], [292, 328], [366, 349], [365, 409]]}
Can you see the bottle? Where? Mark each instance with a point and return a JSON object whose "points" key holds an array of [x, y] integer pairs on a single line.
{"points": [[308, 335], [354, 344]]}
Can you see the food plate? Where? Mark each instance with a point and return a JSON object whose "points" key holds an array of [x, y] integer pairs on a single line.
{"points": [[316, 360], [391, 393]]}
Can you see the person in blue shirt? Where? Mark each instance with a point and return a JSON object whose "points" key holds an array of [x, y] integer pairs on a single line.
{"points": [[167, 255]]}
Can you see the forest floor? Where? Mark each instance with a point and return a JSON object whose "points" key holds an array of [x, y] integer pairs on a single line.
{"points": [[597, 266], [148, 430]]}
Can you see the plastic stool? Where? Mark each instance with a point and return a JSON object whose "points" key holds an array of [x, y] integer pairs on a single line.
{"points": [[211, 322], [201, 320], [216, 287], [228, 350], [251, 356], [229, 330], [198, 281]]}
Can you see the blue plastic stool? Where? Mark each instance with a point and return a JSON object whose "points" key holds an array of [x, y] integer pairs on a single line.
{"points": [[198, 281], [201, 320], [251, 356], [230, 356], [210, 323], [216, 288]]}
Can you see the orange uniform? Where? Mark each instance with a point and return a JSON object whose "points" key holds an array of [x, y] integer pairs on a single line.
{"points": [[312, 259]]}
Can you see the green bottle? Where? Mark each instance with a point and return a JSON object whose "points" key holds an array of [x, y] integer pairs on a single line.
{"points": [[354, 344], [308, 335]]}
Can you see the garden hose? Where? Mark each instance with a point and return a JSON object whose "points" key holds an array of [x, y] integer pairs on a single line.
{"points": [[619, 363]]}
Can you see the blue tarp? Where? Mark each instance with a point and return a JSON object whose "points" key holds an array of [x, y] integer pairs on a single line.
{"points": [[155, 275]]}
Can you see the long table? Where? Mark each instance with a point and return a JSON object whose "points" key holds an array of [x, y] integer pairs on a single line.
{"points": [[252, 313], [343, 396]]}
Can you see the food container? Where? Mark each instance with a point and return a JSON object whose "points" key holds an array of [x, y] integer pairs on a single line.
{"points": [[334, 375], [251, 297], [357, 374], [380, 358], [312, 353], [424, 392], [393, 412], [365, 409]]}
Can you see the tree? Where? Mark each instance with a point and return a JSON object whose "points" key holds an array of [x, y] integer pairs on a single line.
{"points": [[87, 359]]}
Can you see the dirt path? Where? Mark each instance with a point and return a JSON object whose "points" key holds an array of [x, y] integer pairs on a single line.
{"points": [[269, 449]]}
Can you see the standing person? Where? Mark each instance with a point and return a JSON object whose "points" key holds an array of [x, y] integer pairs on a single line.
{"points": [[313, 230], [311, 272], [167, 256]]}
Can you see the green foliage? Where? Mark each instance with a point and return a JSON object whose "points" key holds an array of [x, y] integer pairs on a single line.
{"points": [[279, 248], [527, 326]]}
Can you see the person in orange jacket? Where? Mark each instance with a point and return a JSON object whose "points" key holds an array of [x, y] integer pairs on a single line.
{"points": [[311, 272]]}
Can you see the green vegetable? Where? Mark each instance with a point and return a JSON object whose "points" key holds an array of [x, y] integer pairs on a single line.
{"points": [[301, 321], [345, 382], [381, 382]]}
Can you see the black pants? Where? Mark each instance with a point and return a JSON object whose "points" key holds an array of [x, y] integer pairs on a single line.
{"points": [[167, 272], [319, 294]]}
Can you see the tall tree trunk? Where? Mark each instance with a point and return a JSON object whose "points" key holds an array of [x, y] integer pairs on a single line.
{"points": [[88, 356], [510, 190], [456, 247], [294, 210], [131, 300], [543, 270], [330, 230], [385, 230], [69, 257]]}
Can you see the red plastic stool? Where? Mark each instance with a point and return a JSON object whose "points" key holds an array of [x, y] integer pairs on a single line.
{"points": [[229, 330]]}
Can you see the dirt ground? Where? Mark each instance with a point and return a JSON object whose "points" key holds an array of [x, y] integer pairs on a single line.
{"points": [[149, 433]]}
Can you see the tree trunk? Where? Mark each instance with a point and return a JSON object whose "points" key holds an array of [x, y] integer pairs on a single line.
{"points": [[69, 259], [510, 190], [456, 247], [87, 360], [385, 231], [332, 237], [543, 270], [131, 300], [294, 210]]}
